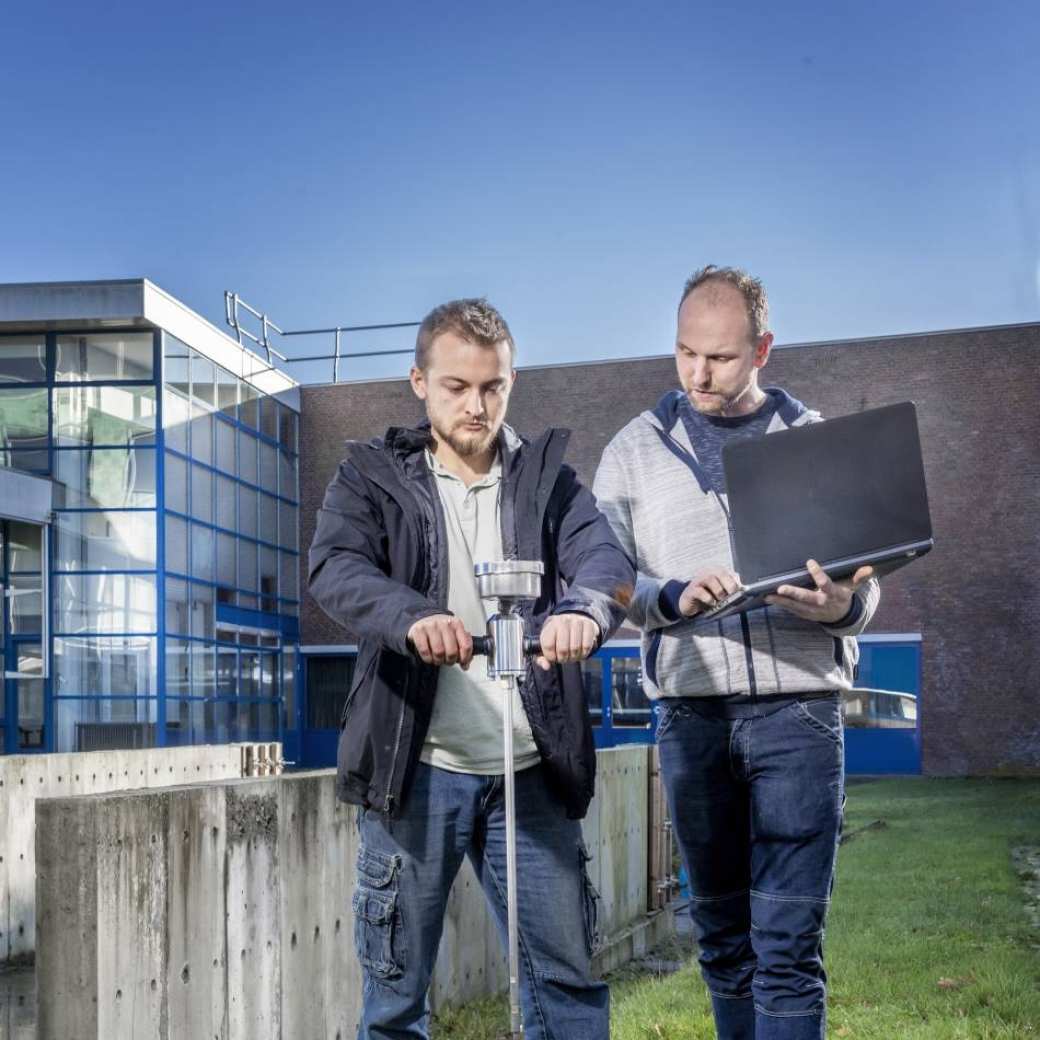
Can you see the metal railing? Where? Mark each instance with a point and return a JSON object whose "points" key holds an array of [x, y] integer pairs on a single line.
{"points": [[233, 304]]}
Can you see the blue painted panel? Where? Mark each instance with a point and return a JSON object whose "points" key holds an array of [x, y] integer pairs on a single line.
{"points": [[318, 748], [882, 751]]}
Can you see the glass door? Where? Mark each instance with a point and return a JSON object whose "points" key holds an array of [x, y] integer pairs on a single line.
{"points": [[24, 636]]}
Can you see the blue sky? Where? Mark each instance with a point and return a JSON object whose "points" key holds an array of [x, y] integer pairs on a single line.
{"points": [[878, 166]]}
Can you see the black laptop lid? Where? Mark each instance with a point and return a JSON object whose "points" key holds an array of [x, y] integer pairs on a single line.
{"points": [[845, 487]]}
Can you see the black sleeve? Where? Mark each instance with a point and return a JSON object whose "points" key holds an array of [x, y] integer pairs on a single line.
{"points": [[349, 566]]}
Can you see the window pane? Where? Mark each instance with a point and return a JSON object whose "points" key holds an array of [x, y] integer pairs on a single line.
{"points": [[225, 495], [203, 670], [104, 665], [287, 477], [269, 467], [176, 544], [202, 381], [178, 619], [104, 355], [175, 490], [592, 680], [269, 675], [24, 542], [105, 477], [248, 409], [23, 359], [100, 724], [246, 566], [178, 667], [88, 415], [224, 456], [287, 533], [328, 682], [175, 364], [201, 435], [289, 563], [201, 597], [287, 429], [268, 519], [25, 605], [268, 579], [227, 671], [227, 392], [289, 685], [247, 464], [105, 603], [202, 552], [247, 511], [202, 494], [269, 417], [23, 420], [176, 420], [29, 696], [249, 673], [109, 541], [629, 704], [226, 567], [30, 461]]}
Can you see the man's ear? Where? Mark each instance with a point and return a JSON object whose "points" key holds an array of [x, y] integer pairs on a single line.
{"points": [[762, 349], [418, 381]]}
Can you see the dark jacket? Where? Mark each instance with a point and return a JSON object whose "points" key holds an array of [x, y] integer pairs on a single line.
{"points": [[379, 563]]}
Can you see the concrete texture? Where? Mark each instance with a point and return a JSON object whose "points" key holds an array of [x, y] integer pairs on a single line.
{"points": [[974, 599], [25, 778], [223, 909]]}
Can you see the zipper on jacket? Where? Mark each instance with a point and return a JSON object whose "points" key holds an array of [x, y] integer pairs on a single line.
{"points": [[745, 629]]}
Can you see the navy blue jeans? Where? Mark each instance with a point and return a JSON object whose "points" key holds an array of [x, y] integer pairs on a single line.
{"points": [[756, 796], [405, 870]]}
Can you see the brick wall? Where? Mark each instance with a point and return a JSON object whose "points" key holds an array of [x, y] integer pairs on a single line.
{"points": [[975, 598]]}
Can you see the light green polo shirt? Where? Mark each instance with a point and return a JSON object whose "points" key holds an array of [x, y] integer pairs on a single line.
{"points": [[465, 734]]}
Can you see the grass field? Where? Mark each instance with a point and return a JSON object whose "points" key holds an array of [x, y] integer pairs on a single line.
{"points": [[928, 937]]}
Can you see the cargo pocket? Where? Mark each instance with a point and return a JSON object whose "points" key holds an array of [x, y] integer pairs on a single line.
{"points": [[590, 902], [378, 935]]}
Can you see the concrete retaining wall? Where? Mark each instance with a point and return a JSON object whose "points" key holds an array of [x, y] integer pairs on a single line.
{"points": [[223, 910], [25, 778]]}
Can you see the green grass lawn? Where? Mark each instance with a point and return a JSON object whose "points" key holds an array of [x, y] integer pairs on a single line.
{"points": [[927, 937]]}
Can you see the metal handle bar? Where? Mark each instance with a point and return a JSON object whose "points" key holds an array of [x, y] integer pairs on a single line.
{"points": [[481, 645]]}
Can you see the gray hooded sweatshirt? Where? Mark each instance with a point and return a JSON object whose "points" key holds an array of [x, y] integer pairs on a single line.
{"points": [[674, 525]]}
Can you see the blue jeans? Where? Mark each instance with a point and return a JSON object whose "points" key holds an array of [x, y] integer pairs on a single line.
{"points": [[406, 867], [756, 796]]}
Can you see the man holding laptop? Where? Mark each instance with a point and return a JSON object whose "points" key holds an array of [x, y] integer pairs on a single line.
{"points": [[750, 730]]}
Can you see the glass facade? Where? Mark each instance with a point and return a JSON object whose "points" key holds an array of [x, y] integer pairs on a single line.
{"points": [[172, 558]]}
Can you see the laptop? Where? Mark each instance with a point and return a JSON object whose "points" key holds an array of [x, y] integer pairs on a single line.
{"points": [[848, 493]]}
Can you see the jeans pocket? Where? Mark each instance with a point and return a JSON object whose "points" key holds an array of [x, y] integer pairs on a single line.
{"points": [[378, 934], [590, 902], [668, 713], [822, 715]]}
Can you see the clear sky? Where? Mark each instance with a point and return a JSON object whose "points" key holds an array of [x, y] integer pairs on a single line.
{"points": [[878, 165]]}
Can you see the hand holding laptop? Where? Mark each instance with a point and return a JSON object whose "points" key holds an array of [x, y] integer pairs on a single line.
{"points": [[708, 591], [828, 602]]}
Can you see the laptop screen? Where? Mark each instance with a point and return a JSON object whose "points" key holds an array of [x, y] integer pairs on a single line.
{"points": [[849, 486]]}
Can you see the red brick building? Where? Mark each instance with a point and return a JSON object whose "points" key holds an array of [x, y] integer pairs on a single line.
{"points": [[975, 599]]}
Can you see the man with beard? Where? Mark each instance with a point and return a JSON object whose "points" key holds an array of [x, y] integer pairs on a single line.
{"points": [[403, 522], [750, 729]]}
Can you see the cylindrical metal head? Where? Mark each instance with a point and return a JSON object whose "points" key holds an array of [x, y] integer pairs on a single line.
{"points": [[509, 579]]}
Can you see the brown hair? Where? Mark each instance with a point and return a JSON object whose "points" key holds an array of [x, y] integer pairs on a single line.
{"points": [[473, 319], [750, 288]]}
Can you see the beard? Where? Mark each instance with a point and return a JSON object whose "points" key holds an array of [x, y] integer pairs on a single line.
{"points": [[718, 404], [465, 443]]}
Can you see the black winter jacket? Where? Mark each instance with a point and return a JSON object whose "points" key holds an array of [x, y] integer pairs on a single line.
{"points": [[379, 563]]}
